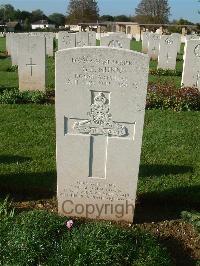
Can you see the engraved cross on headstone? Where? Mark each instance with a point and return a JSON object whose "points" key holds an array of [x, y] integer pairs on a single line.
{"points": [[168, 57], [99, 128], [31, 65]]}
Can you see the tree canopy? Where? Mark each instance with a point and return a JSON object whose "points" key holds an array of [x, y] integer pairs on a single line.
{"points": [[57, 18], [82, 11], [153, 11]]}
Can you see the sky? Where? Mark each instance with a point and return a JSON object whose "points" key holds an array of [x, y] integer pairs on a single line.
{"points": [[187, 9]]}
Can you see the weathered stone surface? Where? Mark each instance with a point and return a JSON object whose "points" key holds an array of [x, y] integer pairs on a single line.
{"points": [[92, 38], [145, 40], [177, 38], [82, 39], [115, 41], [191, 66], [14, 49], [8, 43], [32, 63], [153, 45], [100, 107], [66, 40], [167, 52], [192, 37], [49, 41]]}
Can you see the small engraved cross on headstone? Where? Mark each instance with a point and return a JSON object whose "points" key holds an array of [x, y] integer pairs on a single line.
{"points": [[31, 65], [168, 57], [99, 127]]}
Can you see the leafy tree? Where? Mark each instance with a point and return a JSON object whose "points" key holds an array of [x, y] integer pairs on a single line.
{"points": [[7, 12], [25, 14], [122, 18], [184, 22], [82, 11], [27, 24], [37, 15], [57, 18], [153, 11], [106, 18]]}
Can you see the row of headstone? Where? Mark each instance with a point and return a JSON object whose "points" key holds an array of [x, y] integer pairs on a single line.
{"points": [[13, 39], [163, 48], [80, 39]]}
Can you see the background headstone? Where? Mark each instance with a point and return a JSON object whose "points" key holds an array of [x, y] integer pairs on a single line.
{"points": [[116, 42], [8, 43], [145, 40], [99, 143], [32, 63], [49, 43], [153, 45], [66, 40], [92, 38], [167, 52], [191, 66], [177, 37], [82, 39]]}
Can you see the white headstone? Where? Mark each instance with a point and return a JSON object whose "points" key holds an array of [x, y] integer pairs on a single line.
{"points": [[167, 52], [32, 63], [145, 40], [100, 107], [14, 49], [192, 37], [191, 66], [66, 40], [82, 39], [116, 42], [92, 38], [177, 37], [153, 45], [8, 43], [49, 43]]}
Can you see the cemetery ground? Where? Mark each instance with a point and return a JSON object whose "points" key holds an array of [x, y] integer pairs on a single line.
{"points": [[169, 179]]}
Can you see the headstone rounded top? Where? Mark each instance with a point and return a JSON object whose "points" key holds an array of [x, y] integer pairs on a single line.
{"points": [[104, 49]]}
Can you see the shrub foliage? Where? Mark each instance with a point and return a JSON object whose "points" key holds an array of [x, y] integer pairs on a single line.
{"points": [[168, 97], [14, 96]]}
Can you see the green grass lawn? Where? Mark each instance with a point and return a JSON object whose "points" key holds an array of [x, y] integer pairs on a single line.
{"points": [[10, 79], [170, 164]]}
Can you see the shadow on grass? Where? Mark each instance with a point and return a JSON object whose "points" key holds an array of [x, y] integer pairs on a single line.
{"points": [[160, 170], [7, 159], [168, 204], [28, 186]]}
